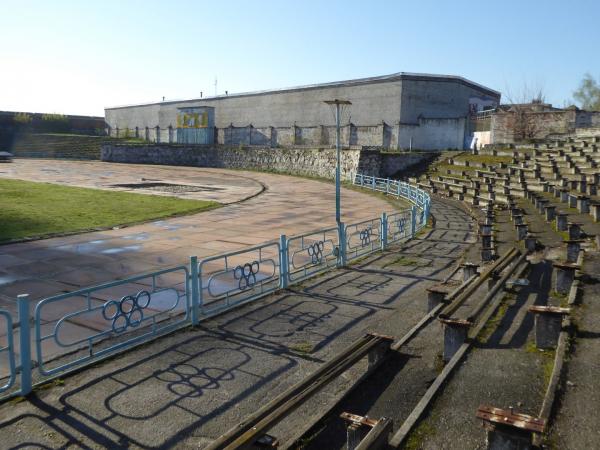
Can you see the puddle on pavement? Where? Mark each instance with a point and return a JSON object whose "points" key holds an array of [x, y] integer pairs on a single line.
{"points": [[137, 237], [116, 250], [7, 279]]}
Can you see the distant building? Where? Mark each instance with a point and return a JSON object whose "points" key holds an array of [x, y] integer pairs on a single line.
{"points": [[533, 121], [402, 110]]}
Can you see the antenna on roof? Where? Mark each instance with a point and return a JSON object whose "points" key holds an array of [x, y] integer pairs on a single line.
{"points": [[215, 86]]}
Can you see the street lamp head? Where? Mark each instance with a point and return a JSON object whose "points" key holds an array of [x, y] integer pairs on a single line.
{"points": [[337, 102]]}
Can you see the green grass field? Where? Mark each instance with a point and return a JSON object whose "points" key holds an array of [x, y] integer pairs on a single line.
{"points": [[29, 210]]}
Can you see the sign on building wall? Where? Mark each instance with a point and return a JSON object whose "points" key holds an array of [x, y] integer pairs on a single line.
{"points": [[196, 125]]}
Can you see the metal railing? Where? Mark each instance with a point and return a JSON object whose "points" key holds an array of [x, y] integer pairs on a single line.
{"points": [[130, 310], [235, 277], [400, 189], [78, 328], [311, 253], [7, 354]]}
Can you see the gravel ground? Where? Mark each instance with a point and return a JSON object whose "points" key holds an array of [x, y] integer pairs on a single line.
{"points": [[577, 425]]}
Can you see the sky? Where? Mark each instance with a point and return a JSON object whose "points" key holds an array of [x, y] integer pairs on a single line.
{"points": [[77, 57]]}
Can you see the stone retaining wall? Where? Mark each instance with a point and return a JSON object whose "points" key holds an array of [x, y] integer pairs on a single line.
{"points": [[302, 161]]}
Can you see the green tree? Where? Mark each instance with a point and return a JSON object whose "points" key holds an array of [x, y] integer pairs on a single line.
{"points": [[22, 118], [588, 93], [55, 123]]}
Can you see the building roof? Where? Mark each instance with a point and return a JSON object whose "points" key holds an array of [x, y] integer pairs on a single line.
{"points": [[356, 82]]}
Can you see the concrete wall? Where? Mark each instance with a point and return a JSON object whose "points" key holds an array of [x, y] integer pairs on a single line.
{"points": [[440, 99], [371, 103], [544, 123], [483, 138], [433, 134], [384, 112], [303, 161]]}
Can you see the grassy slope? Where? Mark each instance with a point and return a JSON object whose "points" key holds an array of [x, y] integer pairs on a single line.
{"points": [[30, 209]]}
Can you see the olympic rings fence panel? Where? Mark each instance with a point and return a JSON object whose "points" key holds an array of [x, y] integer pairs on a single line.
{"points": [[311, 253], [8, 373], [363, 238], [399, 226], [87, 324], [231, 278]]}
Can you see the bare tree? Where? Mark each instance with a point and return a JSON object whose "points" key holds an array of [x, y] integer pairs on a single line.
{"points": [[517, 119]]}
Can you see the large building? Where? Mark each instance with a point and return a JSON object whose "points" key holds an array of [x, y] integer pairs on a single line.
{"points": [[403, 110]]}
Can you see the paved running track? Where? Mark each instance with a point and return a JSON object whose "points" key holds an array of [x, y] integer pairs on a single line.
{"points": [[258, 208]]}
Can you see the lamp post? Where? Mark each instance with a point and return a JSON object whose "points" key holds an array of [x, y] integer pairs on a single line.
{"points": [[338, 147]]}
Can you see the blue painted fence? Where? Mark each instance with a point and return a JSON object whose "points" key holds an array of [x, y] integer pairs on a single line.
{"points": [[125, 313]]}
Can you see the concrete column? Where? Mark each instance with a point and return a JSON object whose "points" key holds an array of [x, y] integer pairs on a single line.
{"points": [[550, 212], [377, 354], [455, 335], [572, 201], [530, 243], [508, 438], [435, 296], [556, 191], [573, 248], [485, 228], [487, 253], [595, 211], [273, 136], [548, 324], [541, 204], [592, 189], [493, 279], [564, 196], [486, 240], [355, 433], [469, 269], [565, 274], [521, 231], [583, 204], [561, 221], [574, 230], [518, 220]]}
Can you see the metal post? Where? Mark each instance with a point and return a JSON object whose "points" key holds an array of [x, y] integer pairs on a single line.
{"points": [[283, 262], [413, 220], [25, 343], [195, 280], [342, 245], [373, 184], [338, 145], [384, 231]]}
